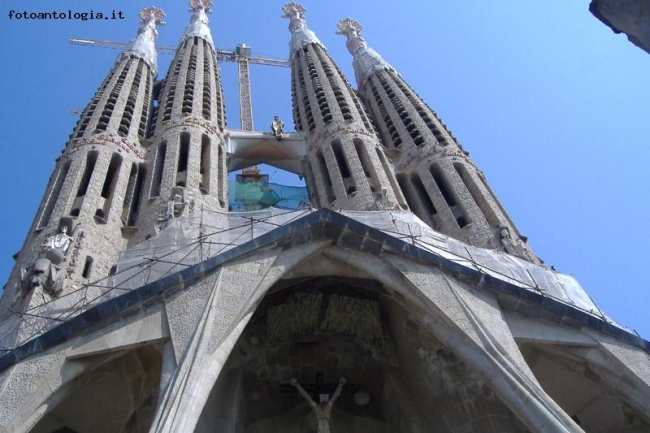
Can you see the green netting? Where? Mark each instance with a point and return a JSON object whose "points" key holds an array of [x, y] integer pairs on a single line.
{"points": [[248, 196]]}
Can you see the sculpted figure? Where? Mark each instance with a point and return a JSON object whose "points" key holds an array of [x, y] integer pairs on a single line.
{"points": [[323, 410], [57, 245], [42, 274], [511, 245], [60, 240], [277, 128]]}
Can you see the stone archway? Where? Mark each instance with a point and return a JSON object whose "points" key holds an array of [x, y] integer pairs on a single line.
{"points": [[400, 378]]}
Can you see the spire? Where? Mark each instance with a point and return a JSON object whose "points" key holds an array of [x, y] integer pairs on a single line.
{"points": [[300, 33], [199, 20], [366, 60], [143, 44]]}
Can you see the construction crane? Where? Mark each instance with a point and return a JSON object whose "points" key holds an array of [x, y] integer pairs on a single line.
{"points": [[241, 54]]}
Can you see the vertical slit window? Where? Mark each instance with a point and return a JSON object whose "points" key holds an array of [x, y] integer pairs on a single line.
{"points": [[423, 195], [390, 177], [340, 159], [366, 164], [204, 184], [311, 185], [91, 159], [158, 170], [183, 155], [54, 195], [108, 189], [134, 194], [88, 267], [325, 175], [476, 194], [441, 182]]}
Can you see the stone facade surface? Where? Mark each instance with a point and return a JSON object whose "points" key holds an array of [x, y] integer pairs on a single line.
{"points": [[358, 316]]}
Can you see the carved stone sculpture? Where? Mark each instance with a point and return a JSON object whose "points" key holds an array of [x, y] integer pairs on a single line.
{"points": [[57, 245], [323, 410], [277, 127], [42, 274]]}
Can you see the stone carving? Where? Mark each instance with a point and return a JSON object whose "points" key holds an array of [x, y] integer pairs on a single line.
{"points": [[151, 16], [46, 271], [44, 274], [174, 207], [277, 127], [295, 12], [301, 35], [57, 245], [513, 246], [352, 30], [201, 4], [323, 410]]}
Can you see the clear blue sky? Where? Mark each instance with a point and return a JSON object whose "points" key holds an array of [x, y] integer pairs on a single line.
{"points": [[551, 104]]}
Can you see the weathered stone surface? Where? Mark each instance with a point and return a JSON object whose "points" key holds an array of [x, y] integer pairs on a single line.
{"points": [[631, 17]]}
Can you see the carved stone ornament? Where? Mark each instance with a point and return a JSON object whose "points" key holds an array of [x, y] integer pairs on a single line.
{"points": [[42, 274], [56, 246], [151, 17]]}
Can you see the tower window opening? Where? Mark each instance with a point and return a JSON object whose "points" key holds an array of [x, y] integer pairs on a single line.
{"points": [[54, 195], [91, 159], [183, 155], [108, 188], [133, 194], [366, 164], [158, 170], [416, 197], [204, 185], [340, 159], [88, 267], [442, 185], [476, 194], [311, 184], [391, 178], [423, 195], [325, 175]]}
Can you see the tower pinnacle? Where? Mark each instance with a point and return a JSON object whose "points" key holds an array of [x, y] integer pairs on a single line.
{"points": [[300, 33], [366, 60], [199, 20], [143, 44]]}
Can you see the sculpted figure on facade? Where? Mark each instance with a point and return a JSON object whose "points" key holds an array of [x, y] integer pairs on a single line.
{"points": [[323, 410], [277, 127], [42, 274], [57, 245]]}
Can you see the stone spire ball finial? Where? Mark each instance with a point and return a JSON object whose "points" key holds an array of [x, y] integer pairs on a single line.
{"points": [[352, 30]]}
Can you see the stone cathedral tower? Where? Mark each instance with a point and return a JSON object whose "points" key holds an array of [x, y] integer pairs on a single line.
{"points": [[403, 300]]}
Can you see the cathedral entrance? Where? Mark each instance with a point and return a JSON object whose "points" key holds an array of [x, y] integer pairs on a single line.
{"points": [[349, 345]]}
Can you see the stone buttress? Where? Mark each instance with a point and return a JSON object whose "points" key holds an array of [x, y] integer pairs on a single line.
{"points": [[441, 183], [346, 167], [187, 158], [93, 195]]}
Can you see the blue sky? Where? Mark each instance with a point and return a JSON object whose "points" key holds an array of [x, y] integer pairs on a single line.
{"points": [[550, 103]]}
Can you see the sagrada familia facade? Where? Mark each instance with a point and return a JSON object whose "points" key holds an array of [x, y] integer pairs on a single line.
{"points": [[403, 300]]}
